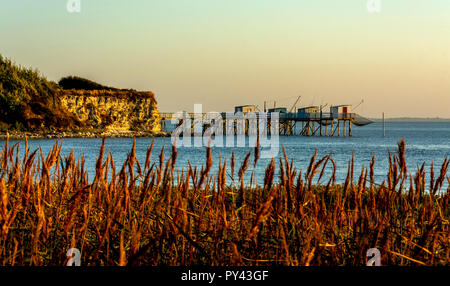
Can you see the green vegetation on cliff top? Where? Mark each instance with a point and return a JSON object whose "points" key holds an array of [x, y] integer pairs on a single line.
{"points": [[78, 83]]}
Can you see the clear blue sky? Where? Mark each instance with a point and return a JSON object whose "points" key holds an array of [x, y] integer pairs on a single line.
{"points": [[230, 52]]}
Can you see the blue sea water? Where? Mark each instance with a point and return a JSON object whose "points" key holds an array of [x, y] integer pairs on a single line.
{"points": [[426, 142]]}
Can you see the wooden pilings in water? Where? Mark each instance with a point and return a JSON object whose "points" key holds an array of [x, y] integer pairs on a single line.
{"points": [[288, 127], [340, 127]]}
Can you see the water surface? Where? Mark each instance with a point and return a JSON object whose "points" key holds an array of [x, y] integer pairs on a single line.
{"points": [[425, 142]]}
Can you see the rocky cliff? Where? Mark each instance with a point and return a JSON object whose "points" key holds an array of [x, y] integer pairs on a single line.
{"points": [[117, 111]]}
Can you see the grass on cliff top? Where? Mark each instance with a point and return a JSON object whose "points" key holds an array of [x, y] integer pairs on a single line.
{"points": [[79, 83], [148, 213]]}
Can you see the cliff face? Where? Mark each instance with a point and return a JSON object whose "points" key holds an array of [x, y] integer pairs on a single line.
{"points": [[116, 111]]}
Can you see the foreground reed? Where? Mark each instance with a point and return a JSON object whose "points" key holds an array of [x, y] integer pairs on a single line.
{"points": [[148, 213]]}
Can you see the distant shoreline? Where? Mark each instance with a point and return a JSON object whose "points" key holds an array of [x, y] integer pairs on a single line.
{"points": [[411, 119]]}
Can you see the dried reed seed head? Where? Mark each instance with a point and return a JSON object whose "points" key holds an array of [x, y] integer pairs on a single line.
{"points": [[232, 163], [257, 151], [244, 165]]}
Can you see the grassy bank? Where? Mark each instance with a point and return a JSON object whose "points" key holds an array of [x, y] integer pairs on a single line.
{"points": [[147, 213]]}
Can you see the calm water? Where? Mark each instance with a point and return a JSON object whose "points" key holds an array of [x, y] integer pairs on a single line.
{"points": [[425, 142]]}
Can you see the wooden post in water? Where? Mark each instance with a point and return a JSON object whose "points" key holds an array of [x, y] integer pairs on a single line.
{"points": [[350, 128], [332, 126], [344, 127]]}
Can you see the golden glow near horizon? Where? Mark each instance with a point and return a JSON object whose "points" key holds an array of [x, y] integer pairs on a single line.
{"points": [[227, 52]]}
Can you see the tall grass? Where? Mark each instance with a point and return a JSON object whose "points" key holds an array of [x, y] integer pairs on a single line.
{"points": [[148, 213]]}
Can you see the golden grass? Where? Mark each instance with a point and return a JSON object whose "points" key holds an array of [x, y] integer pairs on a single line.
{"points": [[150, 214]]}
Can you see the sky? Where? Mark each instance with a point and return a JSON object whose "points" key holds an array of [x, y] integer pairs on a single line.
{"points": [[223, 53]]}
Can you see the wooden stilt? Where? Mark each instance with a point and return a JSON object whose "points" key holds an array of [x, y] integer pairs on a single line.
{"points": [[332, 126], [344, 127], [350, 128]]}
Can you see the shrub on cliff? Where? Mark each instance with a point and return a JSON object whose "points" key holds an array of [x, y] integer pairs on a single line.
{"points": [[79, 83]]}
